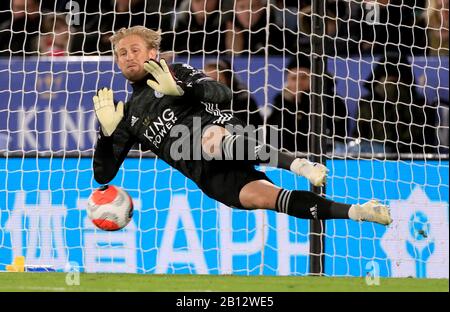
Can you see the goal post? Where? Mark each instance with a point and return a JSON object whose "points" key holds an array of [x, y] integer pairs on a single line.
{"points": [[48, 131], [317, 227]]}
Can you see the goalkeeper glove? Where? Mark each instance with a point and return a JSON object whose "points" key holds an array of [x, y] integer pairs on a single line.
{"points": [[164, 82], [316, 173], [108, 115]]}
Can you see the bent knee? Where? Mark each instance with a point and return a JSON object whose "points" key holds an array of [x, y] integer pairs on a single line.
{"points": [[260, 194]]}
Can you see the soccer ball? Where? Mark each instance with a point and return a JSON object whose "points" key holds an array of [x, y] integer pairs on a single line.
{"points": [[110, 208]]}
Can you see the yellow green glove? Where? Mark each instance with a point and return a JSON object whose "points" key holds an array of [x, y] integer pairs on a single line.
{"points": [[108, 115], [164, 82]]}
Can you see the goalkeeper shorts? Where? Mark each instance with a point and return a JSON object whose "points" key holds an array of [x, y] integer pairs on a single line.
{"points": [[223, 180]]}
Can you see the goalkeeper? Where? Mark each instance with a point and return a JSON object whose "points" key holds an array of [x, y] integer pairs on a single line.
{"points": [[168, 97]]}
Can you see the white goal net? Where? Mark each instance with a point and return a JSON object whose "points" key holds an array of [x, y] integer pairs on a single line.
{"points": [[381, 87]]}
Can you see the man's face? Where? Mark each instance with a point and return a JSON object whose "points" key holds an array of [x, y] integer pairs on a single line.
{"points": [[212, 72], [19, 9], [248, 12], [204, 5], [201, 7], [131, 54], [298, 80]]}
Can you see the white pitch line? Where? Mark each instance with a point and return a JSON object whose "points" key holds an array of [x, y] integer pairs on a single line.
{"points": [[36, 288]]}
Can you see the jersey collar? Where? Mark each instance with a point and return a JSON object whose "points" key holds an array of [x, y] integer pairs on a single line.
{"points": [[137, 85]]}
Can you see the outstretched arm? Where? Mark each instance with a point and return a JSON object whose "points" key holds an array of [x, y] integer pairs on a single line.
{"points": [[186, 80], [114, 141], [110, 152]]}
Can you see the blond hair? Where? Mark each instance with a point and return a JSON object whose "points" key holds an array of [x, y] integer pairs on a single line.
{"points": [[151, 37]]}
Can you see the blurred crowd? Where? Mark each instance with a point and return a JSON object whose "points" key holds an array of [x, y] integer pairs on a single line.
{"points": [[351, 27], [393, 117]]}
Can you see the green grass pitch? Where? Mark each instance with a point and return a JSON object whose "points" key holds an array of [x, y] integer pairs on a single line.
{"points": [[46, 282]]}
